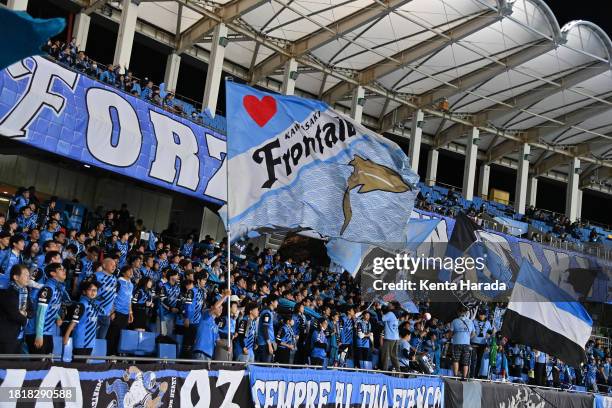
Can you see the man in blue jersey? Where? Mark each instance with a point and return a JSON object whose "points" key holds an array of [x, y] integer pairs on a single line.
{"points": [[244, 343], [463, 330], [169, 302], [483, 331], [318, 353], [208, 331], [13, 257], [187, 247], [193, 302], [84, 322], [227, 332], [265, 337], [364, 341], [287, 341], [390, 342], [347, 334], [84, 269], [107, 292], [47, 233], [122, 314], [123, 247], [48, 311]]}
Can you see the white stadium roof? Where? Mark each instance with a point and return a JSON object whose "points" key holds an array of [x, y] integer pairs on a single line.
{"points": [[504, 66]]}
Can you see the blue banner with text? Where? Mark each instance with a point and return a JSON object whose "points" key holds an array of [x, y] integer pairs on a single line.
{"points": [[281, 387], [53, 108]]}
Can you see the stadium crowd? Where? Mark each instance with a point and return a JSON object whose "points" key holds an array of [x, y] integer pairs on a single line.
{"points": [[121, 78], [560, 226], [116, 275]]}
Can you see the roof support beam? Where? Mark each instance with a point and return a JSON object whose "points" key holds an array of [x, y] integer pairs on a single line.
{"points": [[600, 173], [205, 25], [487, 72], [526, 99], [327, 34], [415, 53], [555, 160], [547, 128]]}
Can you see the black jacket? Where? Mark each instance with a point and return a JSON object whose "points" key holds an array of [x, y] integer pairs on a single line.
{"points": [[11, 321]]}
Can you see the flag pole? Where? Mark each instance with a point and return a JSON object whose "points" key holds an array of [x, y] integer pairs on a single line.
{"points": [[229, 258]]}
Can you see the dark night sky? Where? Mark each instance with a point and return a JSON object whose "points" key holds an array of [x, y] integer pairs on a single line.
{"points": [[148, 60]]}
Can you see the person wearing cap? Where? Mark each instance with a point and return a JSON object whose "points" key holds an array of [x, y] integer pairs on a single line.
{"points": [[318, 353], [265, 337], [223, 350], [244, 342], [483, 331], [287, 341]]}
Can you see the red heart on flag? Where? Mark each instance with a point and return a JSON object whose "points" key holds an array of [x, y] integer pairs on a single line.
{"points": [[261, 111]]}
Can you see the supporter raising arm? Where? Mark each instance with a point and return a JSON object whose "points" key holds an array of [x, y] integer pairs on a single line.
{"points": [[208, 331]]}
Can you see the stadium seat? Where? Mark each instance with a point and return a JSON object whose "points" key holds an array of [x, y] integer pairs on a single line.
{"points": [[137, 343], [99, 350], [128, 342], [57, 347], [67, 352], [166, 351]]}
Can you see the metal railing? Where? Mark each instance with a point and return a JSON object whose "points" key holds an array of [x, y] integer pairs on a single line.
{"points": [[180, 98], [209, 364]]}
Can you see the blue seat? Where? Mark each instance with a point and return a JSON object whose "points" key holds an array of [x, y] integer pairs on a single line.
{"points": [[166, 351], [99, 350], [57, 347], [137, 343], [128, 342]]}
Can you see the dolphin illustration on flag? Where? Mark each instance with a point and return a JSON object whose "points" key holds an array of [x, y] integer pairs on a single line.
{"points": [[297, 163]]}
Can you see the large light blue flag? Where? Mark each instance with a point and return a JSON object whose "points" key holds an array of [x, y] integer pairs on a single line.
{"points": [[350, 255], [295, 162]]}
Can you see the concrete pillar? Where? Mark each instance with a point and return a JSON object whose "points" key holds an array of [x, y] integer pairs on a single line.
{"points": [[483, 181], [571, 194], [532, 191], [522, 173], [17, 5], [357, 103], [415, 139], [81, 30], [432, 168], [289, 77], [215, 69], [173, 64], [579, 209], [469, 167], [125, 37]]}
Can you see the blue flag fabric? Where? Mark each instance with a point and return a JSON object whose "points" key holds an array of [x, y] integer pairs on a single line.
{"points": [[295, 162], [27, 35]]}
